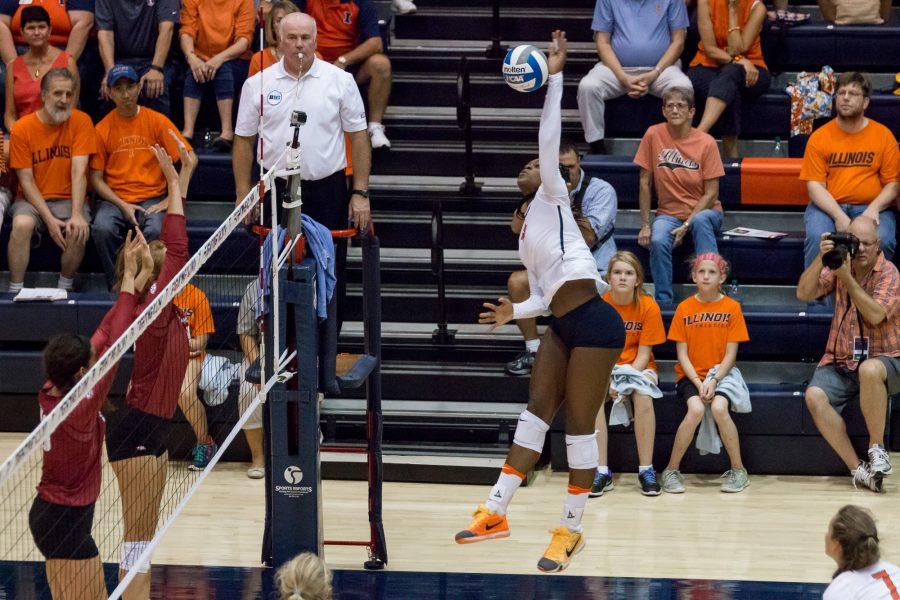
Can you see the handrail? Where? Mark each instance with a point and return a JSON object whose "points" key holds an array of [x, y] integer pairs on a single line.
{"points": [[469, 186], [495, 50], [442, 335]]}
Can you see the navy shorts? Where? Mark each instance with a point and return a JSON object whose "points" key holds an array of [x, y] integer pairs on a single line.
{"points": [[222, 83], [131, 433], [62, 532], [594, 324]]}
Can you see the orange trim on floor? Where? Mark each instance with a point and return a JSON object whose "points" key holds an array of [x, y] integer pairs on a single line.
{"points": [[773, 182]]}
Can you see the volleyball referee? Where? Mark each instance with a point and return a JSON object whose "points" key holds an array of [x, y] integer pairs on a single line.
{"points": [[333, 107]]}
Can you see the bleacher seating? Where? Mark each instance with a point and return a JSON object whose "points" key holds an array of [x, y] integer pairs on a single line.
{"points": [[454, 399]]}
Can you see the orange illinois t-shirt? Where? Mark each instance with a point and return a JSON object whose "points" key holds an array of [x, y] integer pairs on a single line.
{"points": [[854, 166], [196, 312], [643, 327], [679, 168], [707, 327], [125, 154], [48, 150]]}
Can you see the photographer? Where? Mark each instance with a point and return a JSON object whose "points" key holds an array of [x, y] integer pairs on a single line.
{"points": [[862, 356]]}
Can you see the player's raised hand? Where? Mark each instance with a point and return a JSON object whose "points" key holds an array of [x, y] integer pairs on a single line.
{"points": [[557, 52]]}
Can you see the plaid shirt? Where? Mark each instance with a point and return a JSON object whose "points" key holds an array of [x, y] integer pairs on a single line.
{"points": [[882, 284]]}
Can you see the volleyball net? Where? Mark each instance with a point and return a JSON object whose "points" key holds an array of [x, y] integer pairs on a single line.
{"points": [[158, 459]]}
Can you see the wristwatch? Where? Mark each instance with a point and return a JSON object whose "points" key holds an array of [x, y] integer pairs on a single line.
{"points": [[363, 193], [342, 60]]}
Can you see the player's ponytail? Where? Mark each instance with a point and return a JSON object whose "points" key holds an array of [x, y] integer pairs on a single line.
{"points": [[853, 528]]}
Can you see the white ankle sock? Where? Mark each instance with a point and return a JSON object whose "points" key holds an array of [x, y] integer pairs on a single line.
{"points": [[64, 283], [573, 509], [603, 469], [503, 491], [641, 469], [16, 287], [533, 345]]}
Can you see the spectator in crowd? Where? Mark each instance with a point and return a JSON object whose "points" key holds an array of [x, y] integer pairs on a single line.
{"points": [[248, 334], [304, 577], [851, 167], [70, 24], [138, 33], [683, 165], [334, 107], [852, 542], [213, 34], [862, 356], [594, 205], [707, 329], [349, 37], [125, 173], [639, 46], [263, 59], [728, 69], [848, 12], [23, 85], [50, 149], [635, 377], [198, 318]]}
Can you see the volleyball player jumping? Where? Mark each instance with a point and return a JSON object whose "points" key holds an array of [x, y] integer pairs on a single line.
{"points": [[577, 354], [62, 514], [137, 433]]}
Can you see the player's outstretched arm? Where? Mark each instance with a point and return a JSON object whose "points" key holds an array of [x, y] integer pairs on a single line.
{"points": [[551, 119]]}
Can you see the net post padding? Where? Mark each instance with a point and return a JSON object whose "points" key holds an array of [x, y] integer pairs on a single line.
{"points": [[67, 405]]}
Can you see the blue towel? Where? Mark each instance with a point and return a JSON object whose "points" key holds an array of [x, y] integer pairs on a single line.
{"points": [[320, 244], [734, 387], [627, 380], [262, 306]]}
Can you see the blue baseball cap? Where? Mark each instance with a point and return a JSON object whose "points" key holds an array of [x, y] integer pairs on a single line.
{"points": [[119, 72]]}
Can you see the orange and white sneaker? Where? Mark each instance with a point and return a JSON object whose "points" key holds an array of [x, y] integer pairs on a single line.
{"points": [[485, 525], [563, 546]]}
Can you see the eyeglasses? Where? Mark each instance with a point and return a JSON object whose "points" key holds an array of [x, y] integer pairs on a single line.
{"points": [[676, 106]]}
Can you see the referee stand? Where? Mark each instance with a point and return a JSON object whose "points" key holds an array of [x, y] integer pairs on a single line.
{"points": [[293, 521]]}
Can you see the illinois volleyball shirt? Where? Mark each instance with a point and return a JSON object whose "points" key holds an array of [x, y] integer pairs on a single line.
{"points": [[707, 327], [853, 166], [643, 327], [48, 150]]}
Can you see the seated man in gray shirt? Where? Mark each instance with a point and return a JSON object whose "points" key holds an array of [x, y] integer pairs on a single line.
{"points": [[594, 204], [139, 34]]}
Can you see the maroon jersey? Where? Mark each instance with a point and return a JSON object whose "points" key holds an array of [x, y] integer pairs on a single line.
{"points": [[71, 471], [162, 352]]}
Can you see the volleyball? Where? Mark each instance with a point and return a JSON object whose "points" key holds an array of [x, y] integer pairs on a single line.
{"points": [[525, 68]]}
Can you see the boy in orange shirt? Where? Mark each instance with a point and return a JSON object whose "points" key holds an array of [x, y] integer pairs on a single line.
{"points": [[213, 34], [198, 318], [851, 167], [643, 329], [706, 329], [125, 173], [50, 149]]}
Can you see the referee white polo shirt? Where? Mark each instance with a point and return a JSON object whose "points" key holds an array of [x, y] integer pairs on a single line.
{"points": [[332, 104]]}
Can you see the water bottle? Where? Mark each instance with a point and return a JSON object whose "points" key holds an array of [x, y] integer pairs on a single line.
{"points": [[734, 292], [779, 147]]}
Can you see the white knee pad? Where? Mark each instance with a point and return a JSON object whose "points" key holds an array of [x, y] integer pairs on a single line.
{"points": [[131, 552], [530, 432], [581, 451]]}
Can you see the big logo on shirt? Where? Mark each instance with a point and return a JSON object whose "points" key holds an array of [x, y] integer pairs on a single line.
{"points": [[706, 319], [634, 326], [838, 160], [671, 158], [49, 153]]}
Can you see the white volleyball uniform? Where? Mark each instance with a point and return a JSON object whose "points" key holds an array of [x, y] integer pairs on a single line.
{"points": [[550, 244], [881, 581]]}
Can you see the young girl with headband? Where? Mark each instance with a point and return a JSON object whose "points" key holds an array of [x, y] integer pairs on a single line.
{"points": [[707, 328]]}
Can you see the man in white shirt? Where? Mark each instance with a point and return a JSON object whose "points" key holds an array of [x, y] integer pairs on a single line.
{"points": [[333, 107]]}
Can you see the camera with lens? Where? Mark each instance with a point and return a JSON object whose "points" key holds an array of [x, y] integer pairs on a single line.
{"points": [[844, 244], [298, 118]]}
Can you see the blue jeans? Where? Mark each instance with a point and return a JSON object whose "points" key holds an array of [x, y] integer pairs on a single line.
{"points": [[109, 227], [818, 222], [704, 227]]}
